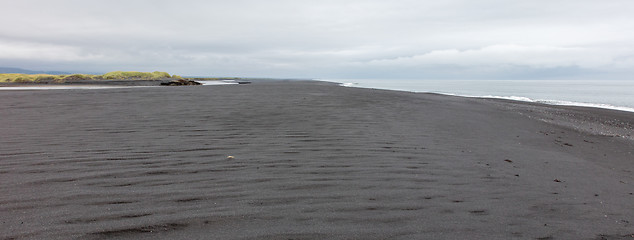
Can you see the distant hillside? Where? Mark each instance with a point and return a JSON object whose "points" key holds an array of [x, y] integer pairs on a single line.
{"points": [[25, 71], [62, 78]]}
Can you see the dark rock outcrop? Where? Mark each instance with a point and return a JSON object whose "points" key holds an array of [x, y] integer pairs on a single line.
{"points": [[180, 83]]}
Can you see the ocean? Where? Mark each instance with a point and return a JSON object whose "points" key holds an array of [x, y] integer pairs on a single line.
{"points": [[610, 94]]}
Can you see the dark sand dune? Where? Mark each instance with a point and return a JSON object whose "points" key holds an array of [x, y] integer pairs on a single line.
{"points": [[310, 161]]}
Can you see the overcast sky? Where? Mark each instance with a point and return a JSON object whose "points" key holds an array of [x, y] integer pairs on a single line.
{"points": [[448, 39]]}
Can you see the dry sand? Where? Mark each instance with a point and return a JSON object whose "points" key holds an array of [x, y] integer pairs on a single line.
{"points": [[310, 160]]}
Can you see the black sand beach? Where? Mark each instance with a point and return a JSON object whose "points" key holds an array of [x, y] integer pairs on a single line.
{"points": [[309, 160]]}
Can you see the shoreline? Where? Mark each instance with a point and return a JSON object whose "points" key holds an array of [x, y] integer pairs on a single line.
{"points": [[123, 83], [553, 102], [516, 97], [308, 160]]}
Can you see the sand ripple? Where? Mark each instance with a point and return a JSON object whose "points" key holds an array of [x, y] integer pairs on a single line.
{"points": [[310, 161]]}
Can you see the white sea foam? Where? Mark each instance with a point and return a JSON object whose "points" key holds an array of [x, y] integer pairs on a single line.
{"points": [[556, 102], [542, 89], [216, 82], [547, 101], [348, 84], [581, 104]]}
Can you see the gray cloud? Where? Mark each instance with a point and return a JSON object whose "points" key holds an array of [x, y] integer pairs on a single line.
{"points": [[324, 39]]}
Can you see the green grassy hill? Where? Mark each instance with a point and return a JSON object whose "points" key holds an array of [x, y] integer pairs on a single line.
{"points": [[117, 75]]}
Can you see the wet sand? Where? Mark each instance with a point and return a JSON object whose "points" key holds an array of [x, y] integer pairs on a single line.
{"points": [[309, 160]]}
